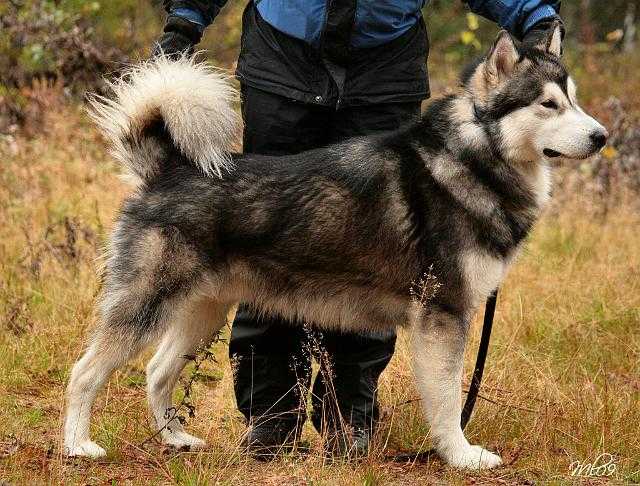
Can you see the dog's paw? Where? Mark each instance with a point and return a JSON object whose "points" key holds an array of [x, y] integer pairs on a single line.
{"points": [[85, 449], [182, 440], [473, 457]]}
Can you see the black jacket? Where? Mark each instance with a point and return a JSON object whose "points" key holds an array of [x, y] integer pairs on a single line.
{"points": [[278, 63]]}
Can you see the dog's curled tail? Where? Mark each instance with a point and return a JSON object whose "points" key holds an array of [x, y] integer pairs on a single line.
{"points": [[181, 102]]}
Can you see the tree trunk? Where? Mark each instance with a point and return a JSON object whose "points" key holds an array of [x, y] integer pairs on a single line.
{"points": [[587, 32], [629, 39]]}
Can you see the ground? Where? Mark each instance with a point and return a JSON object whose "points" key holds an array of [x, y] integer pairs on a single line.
{"points": [[562, 383]]}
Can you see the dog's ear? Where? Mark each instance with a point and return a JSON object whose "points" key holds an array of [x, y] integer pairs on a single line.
{"points": [[502, 59], [551, 42]]}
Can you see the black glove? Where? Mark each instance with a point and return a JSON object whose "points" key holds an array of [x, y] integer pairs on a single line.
{"points": [[179, 36], [172, 45], [540, 32]]}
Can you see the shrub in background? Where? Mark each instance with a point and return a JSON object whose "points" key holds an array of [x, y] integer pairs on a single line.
{"points": [[68, 43]]}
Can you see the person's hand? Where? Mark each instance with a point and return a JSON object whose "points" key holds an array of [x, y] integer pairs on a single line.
{"points": [[538, 35], [172, 44], [180, 36]]}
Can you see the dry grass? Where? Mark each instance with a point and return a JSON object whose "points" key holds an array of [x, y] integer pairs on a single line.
{"points": [[563, 380]]}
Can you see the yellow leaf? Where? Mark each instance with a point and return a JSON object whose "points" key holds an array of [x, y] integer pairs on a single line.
{"points": [[472, 21], [467, 37], [609, 152]]}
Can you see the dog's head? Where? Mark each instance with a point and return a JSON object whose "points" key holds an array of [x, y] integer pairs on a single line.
{"points": [[527, 101]]}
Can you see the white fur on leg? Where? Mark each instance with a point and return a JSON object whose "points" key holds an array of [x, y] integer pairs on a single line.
{"points": [[437, 359], [163, 372], [88, 377], [85, 449], [195, 326]]}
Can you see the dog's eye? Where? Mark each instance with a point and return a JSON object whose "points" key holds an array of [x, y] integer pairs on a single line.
{"points": [[552, 105]]}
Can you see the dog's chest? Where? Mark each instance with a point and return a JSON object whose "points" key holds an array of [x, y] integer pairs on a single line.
{"points": [[482, 274]]}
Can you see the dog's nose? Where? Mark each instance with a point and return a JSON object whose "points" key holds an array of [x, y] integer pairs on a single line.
{"points": [[599, 139]]}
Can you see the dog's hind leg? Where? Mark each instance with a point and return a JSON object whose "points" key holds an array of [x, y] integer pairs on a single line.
{"points": [[195, 326], [438, 342], [106, 352], [150, 274], [129, 323]]}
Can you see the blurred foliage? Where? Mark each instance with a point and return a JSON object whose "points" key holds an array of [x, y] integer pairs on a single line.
{"points": [[73, 39], [70, 43]]}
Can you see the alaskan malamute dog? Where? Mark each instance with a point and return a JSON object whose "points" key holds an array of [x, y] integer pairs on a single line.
{"points": [[338, 237]]}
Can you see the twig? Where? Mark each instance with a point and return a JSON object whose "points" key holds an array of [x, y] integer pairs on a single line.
{"points": [[495, 402], [172, 413]]}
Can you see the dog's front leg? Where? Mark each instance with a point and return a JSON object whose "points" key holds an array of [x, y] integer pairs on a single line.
{"points": [[438, 341]]}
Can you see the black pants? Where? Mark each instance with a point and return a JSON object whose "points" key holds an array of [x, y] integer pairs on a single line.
{"points": [[273, 357]]}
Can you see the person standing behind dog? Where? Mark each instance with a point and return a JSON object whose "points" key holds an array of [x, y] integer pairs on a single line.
{"points": [[313, 72]]}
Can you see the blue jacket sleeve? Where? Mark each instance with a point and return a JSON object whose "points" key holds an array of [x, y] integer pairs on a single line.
{"points": [[198, 12], [516, 16]]}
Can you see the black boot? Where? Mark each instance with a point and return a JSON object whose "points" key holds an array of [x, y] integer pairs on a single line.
{"points": [[345, 407], [347, 443], [272, 372], [266, 440]]}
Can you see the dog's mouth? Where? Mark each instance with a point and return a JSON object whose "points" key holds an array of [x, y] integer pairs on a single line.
{"points": [[552, 154]]}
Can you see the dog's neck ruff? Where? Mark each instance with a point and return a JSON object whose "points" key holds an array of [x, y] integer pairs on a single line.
{"points": [[479, 115]]}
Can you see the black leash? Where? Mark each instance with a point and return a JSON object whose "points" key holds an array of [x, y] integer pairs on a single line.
{"points": [[483, 348], [474, 388]]}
